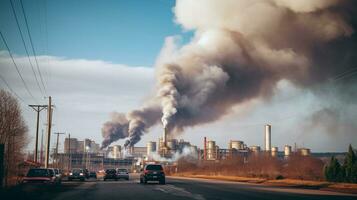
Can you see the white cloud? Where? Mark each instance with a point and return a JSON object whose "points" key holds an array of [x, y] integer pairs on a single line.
{"points": [[84, 92]]}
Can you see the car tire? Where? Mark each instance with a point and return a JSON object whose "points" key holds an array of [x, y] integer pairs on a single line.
{"points": [[141, 181], [69, 179], [104, 179]]}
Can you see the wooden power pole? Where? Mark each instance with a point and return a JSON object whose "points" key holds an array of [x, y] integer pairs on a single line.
{"points": [[57, 146], [38, 109], [49, 124]]}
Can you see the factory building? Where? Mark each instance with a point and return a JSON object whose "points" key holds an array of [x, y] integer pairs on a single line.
{"points": [[75, 146], [150, 148]]}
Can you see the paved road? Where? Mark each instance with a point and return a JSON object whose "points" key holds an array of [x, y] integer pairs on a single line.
{"points": [[175, 189]]}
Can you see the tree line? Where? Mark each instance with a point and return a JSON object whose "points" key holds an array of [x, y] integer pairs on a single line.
{"points": [[13, 136], [347, 172]]}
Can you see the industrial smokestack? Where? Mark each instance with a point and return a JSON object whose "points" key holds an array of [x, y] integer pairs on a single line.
{"points": [[267, 140], [164, 137], [204, 148]]}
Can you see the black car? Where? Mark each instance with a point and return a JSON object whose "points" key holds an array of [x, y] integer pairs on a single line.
{"points": [[86, 173], [92, 175], [152, 172], [111, 174], [77, 174]]}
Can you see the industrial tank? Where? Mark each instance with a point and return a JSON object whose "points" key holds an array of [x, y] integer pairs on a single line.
{"points": [[287, 150], [211, 150], [116, 151], [255, 148], [304, 151], [274, 151], [235, 144]]}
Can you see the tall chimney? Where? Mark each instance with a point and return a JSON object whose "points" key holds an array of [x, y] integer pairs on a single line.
{"points": [[267, 137], [164, 137], [204, 148]]}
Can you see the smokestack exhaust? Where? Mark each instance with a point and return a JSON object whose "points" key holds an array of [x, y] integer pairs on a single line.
{"points": [[198, 84]]}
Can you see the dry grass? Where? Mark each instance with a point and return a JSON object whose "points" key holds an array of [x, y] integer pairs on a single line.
{"points": [[338, 187], [343, 185], [225, 178], [296, 182]]}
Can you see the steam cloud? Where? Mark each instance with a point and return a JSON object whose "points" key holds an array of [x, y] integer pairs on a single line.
{"points": [[239, 52]]}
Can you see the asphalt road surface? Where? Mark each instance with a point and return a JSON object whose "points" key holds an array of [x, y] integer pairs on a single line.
{"points": [[175, 189]]}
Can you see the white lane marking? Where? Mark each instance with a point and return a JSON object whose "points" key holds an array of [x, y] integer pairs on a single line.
{"points": [[171, 189]]}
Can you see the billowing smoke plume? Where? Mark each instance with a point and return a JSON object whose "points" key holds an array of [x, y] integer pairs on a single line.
{"points": [[240, 50]]}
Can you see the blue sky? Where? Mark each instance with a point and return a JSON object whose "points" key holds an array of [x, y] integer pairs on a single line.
{"points": [[129, 32]]}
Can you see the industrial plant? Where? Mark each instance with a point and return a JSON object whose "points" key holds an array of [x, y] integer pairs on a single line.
{"points": [[87, 153]]}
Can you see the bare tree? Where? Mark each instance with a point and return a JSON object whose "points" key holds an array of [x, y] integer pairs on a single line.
{"points": [[13, 134]]}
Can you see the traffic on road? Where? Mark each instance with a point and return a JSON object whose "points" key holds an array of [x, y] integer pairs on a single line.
{"points": [[150, 183]]}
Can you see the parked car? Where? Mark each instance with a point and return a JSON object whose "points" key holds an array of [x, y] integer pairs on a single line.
{"points": [[123, 173], [92, 174], [56, 177], [152, 172], [86, 173], [58, 174], [40, 176], [77, 174], [110, 174]]}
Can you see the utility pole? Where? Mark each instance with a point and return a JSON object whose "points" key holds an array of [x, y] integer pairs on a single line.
{"points": [[57, 146], [49, 124], [38, 109], [69, 152], [41, 151]]}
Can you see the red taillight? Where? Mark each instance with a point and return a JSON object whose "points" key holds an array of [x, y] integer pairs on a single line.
{"points": [[146, 171]]}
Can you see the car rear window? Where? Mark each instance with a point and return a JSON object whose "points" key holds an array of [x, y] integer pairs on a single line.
{"points": [[110, 171], [77, 171], [154, 167], [122, 170], [37, 173]]}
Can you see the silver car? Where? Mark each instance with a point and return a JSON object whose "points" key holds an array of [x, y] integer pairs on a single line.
{"points": [[123, 173]]}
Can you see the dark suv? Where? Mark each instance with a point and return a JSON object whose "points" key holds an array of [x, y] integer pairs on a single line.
{"points": [[77, 174], [152, 172], [111, 174]]}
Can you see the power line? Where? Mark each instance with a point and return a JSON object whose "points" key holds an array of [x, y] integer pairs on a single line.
{"points": [[17, 69], [23, 42], [11, 90], [32, 46]]}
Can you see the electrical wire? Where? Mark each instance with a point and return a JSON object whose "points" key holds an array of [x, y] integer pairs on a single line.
{"points": [[11, 90], [24, 44], [32, 46], [17, 68]]}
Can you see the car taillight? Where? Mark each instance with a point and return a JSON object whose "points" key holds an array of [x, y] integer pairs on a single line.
{"points": [[146, 171]]}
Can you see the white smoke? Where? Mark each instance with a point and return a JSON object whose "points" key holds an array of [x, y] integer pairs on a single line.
{"points": [[186, 152]]}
